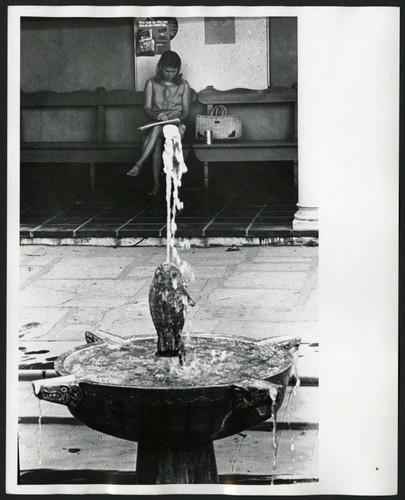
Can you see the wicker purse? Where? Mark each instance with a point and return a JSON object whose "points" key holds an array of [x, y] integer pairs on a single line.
{"points": [[222, 125]]}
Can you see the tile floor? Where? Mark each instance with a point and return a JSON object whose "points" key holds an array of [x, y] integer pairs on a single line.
{"points": [[57, 202]]}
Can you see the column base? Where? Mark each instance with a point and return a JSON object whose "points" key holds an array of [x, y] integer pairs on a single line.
{"points": [[306, 219]]}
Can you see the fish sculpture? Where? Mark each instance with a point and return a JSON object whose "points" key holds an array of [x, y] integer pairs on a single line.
{"points": [[61, 390], [168, 301], [112, 340]]}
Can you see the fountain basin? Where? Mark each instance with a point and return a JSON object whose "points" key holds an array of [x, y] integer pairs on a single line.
{"points": [[174, 424]]}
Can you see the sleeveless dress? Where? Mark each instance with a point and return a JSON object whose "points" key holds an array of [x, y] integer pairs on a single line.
{"points": [[168, 99]]}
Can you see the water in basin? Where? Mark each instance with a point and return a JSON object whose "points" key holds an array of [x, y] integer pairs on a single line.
{"points": [[210, 361]]}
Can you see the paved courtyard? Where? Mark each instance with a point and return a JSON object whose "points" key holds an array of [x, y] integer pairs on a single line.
{"points": [[255, 292]]}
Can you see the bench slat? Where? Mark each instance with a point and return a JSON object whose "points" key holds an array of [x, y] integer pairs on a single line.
{"points": [[271, 150], [46, 98], [82, 152], [101, 96], [83, 145], [246, 144], [210, 95]]}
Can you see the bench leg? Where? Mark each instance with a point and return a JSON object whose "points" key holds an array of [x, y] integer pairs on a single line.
{"points": [[296, 173], [92, 175], [206, 174]]}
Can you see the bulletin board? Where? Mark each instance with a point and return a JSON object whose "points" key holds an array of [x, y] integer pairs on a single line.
{"points": [[153, 35], [219, 30]]}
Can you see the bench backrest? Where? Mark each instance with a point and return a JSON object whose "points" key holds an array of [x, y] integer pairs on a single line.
{"points": [[115, 115], [84, 116], [266, 114]]}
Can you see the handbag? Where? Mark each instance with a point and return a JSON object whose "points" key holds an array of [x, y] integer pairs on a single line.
{"points": [[222, 125]]}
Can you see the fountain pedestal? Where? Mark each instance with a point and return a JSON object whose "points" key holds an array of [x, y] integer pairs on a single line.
{"points": [[161, 464]]}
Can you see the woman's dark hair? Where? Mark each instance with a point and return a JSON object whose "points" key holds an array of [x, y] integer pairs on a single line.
{"points": [[169, 59]]}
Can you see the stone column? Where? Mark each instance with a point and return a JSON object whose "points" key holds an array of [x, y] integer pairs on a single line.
{"points": [[309, 107]]}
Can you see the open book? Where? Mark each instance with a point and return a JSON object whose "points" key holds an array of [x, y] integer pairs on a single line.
{"points": [[165, 122]]}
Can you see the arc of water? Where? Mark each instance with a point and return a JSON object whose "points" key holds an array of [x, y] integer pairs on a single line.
{"points": [[174, 168], [276, 442]]}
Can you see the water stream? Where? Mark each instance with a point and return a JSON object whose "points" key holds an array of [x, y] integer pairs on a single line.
{"points": [[290, 399], [275, 446], [174, 168], [39, 434], [286, 417]]}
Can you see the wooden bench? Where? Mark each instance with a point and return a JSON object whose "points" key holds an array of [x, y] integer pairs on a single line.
{"points": [[84, 126], [269, 127]]}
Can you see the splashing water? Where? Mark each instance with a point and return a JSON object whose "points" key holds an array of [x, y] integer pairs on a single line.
{"points": [[174, 168], [297, 378], [188, 313], [287, 414], [293, 393]]}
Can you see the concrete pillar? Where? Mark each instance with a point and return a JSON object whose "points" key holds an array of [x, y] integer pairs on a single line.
{"points": [[309, 160]]}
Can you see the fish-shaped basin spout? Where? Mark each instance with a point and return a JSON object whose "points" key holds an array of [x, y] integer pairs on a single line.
{"points": [[290, 343], [251, 393], [113, 340], [62, 390], [168, 302]]}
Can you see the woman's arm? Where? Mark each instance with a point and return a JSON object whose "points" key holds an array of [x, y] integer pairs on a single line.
{"points": [[185, 103], [147, 105]]}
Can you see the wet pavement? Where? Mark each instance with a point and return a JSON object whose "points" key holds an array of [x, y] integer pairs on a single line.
{"points": [[255, 291]]}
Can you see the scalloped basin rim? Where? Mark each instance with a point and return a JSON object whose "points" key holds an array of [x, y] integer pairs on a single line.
{"points": [[61, 370]]}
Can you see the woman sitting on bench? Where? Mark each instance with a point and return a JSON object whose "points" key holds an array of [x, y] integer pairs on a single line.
{"points": [[167, 96]]}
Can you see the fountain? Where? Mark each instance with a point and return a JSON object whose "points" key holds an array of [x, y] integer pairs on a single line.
{"points": [[175, 403]]}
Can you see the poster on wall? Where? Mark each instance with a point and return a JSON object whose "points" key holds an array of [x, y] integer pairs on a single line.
{"points": [[219, 30], [153, 35]]}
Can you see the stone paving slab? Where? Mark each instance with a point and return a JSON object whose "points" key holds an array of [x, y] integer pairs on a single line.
{"points": [[269, 280], [276, 265], [239, 299], [256, 452], [225, 310], [75, 293], [301, 313], [254, 329], [39, 322], [83, 267], [204, 257], [29, 273], [264, 329], [269, 253]]}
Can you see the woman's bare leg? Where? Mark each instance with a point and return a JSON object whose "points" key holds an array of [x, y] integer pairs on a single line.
{"points": [[147, 148], [157, 166]]}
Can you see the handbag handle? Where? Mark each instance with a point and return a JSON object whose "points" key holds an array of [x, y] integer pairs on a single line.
{"points": [[217, 108]]}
